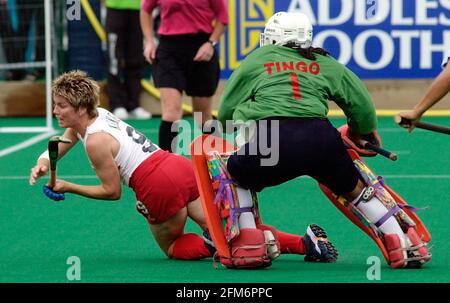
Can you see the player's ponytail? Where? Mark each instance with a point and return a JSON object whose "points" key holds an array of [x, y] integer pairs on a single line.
{"points": [[308, 53]]}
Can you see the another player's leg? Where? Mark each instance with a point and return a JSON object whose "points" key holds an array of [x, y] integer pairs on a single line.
{"points": [[317, 246], [195, 212], [204, 106], [134, 65], [116, 50], [314, 244], [171, 113], [166, 194], [175, 243], [201, 83]]}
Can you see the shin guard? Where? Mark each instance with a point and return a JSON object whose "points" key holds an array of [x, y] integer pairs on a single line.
{"points": [[408, 252]]}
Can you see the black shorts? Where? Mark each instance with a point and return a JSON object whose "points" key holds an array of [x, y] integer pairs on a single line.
{"points": [[311, 147], [174, 66]]}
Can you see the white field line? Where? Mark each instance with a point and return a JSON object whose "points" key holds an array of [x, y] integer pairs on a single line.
{"points": [[392, 130], [26, 143], [402, 152], [149, 130]]}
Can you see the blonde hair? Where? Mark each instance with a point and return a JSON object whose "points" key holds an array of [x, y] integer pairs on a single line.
{"points": [[79, 90]]}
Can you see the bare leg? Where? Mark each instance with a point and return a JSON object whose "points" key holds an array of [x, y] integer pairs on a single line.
{"points": [[195, 212], [168, 232], [202, 105], [175, 243], [171, 104]]}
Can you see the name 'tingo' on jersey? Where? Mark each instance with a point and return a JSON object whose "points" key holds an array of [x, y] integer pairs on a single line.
{"points": [[276, 81]]}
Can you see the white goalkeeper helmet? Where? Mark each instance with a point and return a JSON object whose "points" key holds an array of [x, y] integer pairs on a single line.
{"points": [[284, 27]]}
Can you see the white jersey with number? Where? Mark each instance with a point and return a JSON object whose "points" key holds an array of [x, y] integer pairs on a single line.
{"points": [[446, 58], [134, 146]]}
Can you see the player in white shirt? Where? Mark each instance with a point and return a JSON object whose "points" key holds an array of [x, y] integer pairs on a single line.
{"points": [[164, 183]]}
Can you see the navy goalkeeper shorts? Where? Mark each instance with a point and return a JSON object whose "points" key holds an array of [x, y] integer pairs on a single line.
{"points": [[305, 146]]}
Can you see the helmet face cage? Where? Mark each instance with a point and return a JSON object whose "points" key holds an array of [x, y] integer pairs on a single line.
{"points": [[283, 28]]}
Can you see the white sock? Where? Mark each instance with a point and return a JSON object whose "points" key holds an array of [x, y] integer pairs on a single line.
{"points": [[246, 220], [374, 210]]}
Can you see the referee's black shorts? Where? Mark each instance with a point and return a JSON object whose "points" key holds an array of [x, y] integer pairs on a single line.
{"points": [[311, 147], [174, 67]]}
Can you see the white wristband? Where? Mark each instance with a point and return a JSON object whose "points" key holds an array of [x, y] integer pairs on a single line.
{"points": [[44, 155]]}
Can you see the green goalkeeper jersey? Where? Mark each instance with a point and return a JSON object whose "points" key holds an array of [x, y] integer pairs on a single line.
{"points": [[275, 81]]}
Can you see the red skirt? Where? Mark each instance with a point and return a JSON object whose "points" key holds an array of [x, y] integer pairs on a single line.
{"points": [[164, 183]]}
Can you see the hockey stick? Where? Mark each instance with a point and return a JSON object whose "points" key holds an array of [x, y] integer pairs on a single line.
{"points": [[378, 150], [432, 127], [53, 154]]}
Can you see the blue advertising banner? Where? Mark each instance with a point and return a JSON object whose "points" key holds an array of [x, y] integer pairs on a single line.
{"points": [[377, 39]]}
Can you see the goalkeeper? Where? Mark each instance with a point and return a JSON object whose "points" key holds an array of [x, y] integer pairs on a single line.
{"points": [[285, 86]]}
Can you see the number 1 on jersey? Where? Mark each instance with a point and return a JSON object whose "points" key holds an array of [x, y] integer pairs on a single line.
{"points": [[295, 86]]}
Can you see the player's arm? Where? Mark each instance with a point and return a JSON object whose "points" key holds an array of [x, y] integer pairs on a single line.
{"points": [[237, 90], [221, 20], [206, 51], [43, 162], [146, 20], [101, 149], [63, 148], [352, 96], [437, 90], [219, 29]]}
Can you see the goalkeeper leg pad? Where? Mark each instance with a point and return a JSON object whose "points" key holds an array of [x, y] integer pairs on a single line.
{"points": [[238, 242], [406, 248]]}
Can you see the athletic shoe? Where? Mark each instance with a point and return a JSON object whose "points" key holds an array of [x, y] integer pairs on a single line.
{"points": [[318, 248], [121, 113], [140, 114]]}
